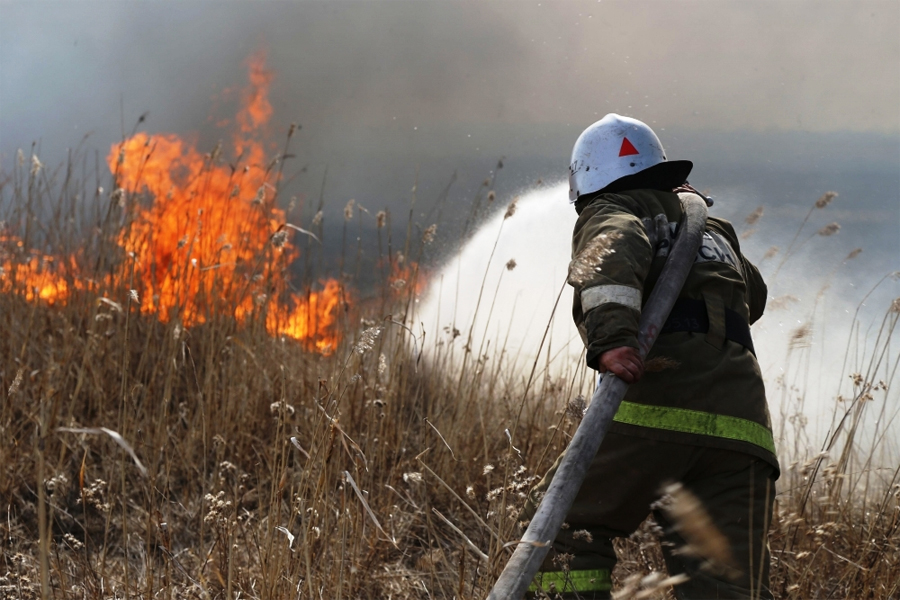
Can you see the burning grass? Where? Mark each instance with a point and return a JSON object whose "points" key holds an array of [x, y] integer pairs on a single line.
{"points": [[180, 422], [188, 235]]}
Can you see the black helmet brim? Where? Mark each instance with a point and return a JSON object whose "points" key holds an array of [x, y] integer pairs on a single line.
{"points": [[663, 176]]}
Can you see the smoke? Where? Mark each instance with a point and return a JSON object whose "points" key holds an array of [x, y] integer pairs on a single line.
{"points": [[355, 72]]}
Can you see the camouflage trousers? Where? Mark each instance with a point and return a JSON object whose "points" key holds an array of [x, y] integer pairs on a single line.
{"points": [[624, 485]]}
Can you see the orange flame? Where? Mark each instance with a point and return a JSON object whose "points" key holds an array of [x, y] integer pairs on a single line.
{"points": [[40, 275], [211, 242]]}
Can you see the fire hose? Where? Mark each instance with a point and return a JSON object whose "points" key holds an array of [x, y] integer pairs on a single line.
{"points": [[532, 549]]}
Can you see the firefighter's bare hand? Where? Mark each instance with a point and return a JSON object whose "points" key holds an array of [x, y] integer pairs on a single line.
{"points": [[624, 362]]}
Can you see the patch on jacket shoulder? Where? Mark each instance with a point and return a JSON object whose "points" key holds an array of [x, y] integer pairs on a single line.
{"points": [[716, 248], [713, 248]]}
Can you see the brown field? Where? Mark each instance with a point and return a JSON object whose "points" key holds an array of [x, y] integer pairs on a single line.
{"points": [[268, 439]]}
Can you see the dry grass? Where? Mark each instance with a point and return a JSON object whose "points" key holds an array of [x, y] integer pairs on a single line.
{"points": [[237, 464]]}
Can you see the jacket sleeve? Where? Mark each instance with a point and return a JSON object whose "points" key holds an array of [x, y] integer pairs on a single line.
{"points": [[612, 256], [756, 287], [756, 290]]}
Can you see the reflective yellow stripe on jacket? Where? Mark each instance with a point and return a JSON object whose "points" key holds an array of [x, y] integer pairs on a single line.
{"points": [[596, 580], [695, 421]]}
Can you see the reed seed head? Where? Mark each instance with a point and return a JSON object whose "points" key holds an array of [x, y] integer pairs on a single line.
{"points": [[825, 199], [367, 339], [575, 407], [428, 236], [276, 408], [412, 478], [213, 156], [800, 336], [693, 522], [583, 534], [279, 238], [72, 542], [511, 209], [755, 216], [17, 383], [118, 197], [260, 196], [782, 302], [830, 229], [588, 262]]}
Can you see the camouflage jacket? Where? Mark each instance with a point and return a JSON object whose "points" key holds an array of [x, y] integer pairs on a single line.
{"points": [[702, 383]]}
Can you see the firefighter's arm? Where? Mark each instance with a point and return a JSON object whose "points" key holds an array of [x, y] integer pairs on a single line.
{"points": [[612, 258], [756, 287], [756, 290]]}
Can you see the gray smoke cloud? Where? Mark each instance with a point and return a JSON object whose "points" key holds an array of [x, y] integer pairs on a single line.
{"points": [[779, 99], [355, 72]]}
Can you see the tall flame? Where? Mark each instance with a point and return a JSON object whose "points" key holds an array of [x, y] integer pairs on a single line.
{"points": [[211, 242]]}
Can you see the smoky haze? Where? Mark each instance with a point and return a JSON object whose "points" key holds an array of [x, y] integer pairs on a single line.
{"points": [[778, 101], [355, 71]]}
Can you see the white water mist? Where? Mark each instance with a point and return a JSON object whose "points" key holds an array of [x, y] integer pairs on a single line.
{"points": [[498, 292]]}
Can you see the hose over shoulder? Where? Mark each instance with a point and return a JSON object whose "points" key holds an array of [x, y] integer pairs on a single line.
{"points": [[532, 549]]}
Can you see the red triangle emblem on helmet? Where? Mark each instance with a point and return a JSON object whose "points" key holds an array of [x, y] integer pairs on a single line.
{"points": [[627, 148]]}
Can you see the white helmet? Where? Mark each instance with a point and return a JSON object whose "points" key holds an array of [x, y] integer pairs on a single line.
{"points": [[615, 147]]}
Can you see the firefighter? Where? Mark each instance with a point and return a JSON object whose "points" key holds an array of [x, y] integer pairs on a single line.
{"points": [[700, 417]]}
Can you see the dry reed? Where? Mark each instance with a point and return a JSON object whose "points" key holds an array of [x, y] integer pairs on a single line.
{"points": [[273, 471]]}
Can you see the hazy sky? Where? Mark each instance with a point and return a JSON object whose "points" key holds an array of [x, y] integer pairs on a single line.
{"points": [[345, 68], [808, 92]]}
